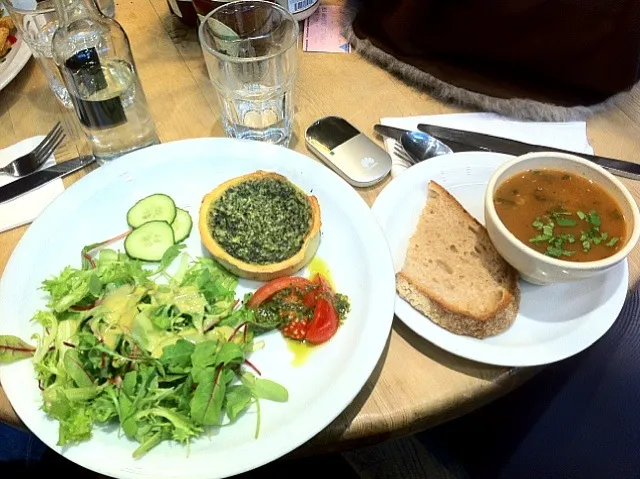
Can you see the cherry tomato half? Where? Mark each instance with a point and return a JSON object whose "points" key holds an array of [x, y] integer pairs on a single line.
{"points": [[272, 287], [324, 323], [322, 286]]}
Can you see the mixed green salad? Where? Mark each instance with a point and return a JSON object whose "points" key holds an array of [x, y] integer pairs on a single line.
{"points": [[164, 355]]}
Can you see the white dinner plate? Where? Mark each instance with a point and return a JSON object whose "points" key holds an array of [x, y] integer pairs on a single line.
{"points": [[554, 322], [14, 61], [94, 208]]}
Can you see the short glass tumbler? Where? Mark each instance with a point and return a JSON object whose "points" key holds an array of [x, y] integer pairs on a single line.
{"points": [[250, 48], [37, 21]]}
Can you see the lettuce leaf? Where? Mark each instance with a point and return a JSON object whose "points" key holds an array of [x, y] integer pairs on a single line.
{"points": [[164, 361]]}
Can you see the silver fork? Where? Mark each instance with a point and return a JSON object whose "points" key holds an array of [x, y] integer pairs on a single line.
{"points": [[400, 151], [30, 162]]}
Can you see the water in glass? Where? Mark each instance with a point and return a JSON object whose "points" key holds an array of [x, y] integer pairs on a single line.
{"points": [[115, 118], [250, 51], [258, 112], [37, 22]]}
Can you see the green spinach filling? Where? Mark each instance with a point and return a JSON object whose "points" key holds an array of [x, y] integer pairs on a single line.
{"points": [[261, 221]]}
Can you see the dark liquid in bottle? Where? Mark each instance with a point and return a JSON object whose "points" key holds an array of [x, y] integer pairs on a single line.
{"points": [[88, 77]]}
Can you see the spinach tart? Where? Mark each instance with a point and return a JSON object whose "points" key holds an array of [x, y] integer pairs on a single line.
{"points": [[260, 226]]}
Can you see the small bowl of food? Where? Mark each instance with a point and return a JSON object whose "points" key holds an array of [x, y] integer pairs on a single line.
{"points": [[557, 217]]}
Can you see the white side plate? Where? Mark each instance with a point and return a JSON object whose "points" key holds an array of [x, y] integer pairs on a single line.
{"points": [[554, 322]]}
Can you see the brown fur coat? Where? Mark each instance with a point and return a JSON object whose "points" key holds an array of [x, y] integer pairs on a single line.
{"points": [[529, 59]]}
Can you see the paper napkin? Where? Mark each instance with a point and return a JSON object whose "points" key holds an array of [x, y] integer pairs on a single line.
{"points": [[26, 208], [570, 136]]}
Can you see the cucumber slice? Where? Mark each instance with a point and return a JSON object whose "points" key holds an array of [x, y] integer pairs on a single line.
{"points": [[181, 225], [149, 241], [156, 207]]}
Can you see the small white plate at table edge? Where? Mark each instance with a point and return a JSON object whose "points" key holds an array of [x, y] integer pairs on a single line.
{"points": [[580, 312], [15, 65]]}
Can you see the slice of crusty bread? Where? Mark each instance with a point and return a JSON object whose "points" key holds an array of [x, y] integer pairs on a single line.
{"points": [[454, 275]]}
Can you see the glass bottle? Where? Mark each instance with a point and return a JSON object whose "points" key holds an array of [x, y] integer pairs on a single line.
{"points": [[300, 9], [106, 7], [94, 57]]}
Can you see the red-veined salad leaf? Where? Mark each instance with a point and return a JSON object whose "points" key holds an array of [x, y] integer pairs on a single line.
{"points": [[13, 348]]}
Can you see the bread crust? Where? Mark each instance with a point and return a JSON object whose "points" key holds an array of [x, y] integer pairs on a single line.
{"points": [[455, 317]]}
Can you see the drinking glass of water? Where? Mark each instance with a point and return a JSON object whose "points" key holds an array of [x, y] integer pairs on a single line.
{"points": [[250, 49], [37, 22]]}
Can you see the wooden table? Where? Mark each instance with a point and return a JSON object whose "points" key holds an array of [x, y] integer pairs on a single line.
{"points": [[415, 385]]}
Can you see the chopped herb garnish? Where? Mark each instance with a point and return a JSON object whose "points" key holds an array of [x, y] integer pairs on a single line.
{"points": [[553, 251], [555, 243], [594, 218], [540, 239], [613, 241], [557, 252], [545, 225], [566, 222]]}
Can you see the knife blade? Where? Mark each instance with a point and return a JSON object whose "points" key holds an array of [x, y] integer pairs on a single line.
{"points": [[485, 142], [40, 178], [390, 131], [395, 134]]}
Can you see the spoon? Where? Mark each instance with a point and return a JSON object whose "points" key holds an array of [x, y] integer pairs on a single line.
{"points": [[421, 146]]}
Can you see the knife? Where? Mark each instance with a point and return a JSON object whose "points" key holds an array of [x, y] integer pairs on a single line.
{"points": [[502, 145], [395, 134], [40, 178]]}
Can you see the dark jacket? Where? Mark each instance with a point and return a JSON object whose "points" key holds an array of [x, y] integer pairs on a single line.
{"points": [[565, 52]]}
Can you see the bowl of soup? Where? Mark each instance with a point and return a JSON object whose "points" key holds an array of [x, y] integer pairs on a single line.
{"points": [[558, 217]]}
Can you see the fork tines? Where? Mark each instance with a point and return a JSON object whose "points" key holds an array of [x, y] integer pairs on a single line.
{"points": [[49, 143], [399, 151]]}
